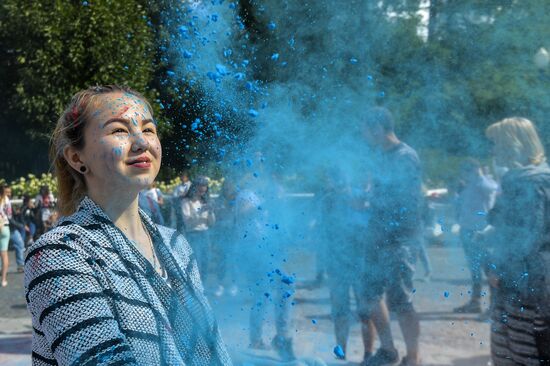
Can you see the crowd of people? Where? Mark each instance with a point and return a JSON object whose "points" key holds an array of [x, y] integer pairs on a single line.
{"points": [[23, 224], [369, 236], [504, 229]]}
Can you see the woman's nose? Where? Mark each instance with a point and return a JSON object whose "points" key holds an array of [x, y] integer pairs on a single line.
{"points": [[139, 142]]}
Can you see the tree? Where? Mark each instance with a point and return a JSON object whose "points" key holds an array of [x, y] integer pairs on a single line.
{"points": [[61, 47], [50, 50], [482, 54]]}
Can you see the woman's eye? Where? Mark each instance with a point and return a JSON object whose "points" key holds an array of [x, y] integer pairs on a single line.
{"points": [[119, 130], [149, 130]]}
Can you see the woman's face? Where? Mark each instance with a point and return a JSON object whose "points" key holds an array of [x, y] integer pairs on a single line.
{"points": [[200, 191], [121, 145]]}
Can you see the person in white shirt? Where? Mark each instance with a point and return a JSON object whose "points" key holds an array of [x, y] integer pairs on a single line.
{"points": [[198, 218], [473, 204], [151, 201], [181, 190]]}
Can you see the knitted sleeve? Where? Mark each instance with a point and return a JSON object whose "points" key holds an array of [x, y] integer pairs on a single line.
{"points": [[72, 319]]}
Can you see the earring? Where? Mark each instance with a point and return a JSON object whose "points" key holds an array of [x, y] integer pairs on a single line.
{"points": [[83, 169]]}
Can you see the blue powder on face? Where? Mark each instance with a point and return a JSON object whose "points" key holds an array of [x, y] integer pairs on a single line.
{"points": [[117, 151]]}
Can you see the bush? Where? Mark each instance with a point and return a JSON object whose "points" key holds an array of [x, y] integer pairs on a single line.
{"points": [[31, 185]]}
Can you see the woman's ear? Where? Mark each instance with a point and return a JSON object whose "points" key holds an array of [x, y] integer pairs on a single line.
{"points": [[72, 156]]}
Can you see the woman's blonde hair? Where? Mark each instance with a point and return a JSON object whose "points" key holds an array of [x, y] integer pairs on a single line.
{"points": [[69, 131], [517, 140]]}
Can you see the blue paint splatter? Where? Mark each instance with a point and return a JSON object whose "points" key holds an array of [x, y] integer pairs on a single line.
{"points": [[339, 351], [289, 280]]}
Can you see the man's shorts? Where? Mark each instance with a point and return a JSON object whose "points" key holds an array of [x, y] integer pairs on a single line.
{"points": [[389, 270], [340, 283]]}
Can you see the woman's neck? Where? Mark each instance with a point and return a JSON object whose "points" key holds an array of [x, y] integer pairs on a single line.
{"points": [[122, 209]]}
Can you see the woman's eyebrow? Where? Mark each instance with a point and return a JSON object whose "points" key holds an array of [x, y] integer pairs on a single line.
{"points": [[127, 121], [112, 120]]}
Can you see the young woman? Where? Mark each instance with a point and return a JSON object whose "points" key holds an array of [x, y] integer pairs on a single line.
{"points": [[198, 218], [520, 263], [107, 285], [5, 216]]}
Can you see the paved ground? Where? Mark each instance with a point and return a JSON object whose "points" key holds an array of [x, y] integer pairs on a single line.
{"points": [[447, 338]]}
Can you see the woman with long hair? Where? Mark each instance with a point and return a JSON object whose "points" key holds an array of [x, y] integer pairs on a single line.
{"points": [[106, 285], [5, 216], [519, 268], [198, 218]]}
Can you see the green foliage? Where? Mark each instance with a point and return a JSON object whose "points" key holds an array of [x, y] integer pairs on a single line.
{"points": [[168, 187], [55, 48], [482, 69], [476, 67], [31, 185]]}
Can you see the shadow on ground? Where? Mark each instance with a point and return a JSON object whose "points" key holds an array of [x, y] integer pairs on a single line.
{"points": [[20, 345], [472, 361]]}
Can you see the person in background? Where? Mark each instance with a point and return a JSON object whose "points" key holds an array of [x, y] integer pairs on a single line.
{"points": [[224, 238], [261, 255], [345, 222], [473, 203], [18, 230], [44, 203], [28, 217], [418, 244], [394, 205], [151, 201], [5, 216], [180, 192], [181, 189], [198, 218], [318, 235], [519, 265]]}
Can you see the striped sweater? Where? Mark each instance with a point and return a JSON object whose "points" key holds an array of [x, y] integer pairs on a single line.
{"points": [[95, 300]]}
